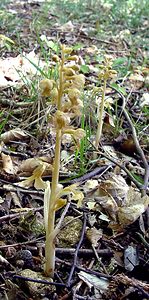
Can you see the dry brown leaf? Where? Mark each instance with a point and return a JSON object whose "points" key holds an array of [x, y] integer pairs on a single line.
{"points": [[130, 213], [116, 187], [92, 49], [16, 68], [108, 203], [30, 164], [144, 100], [13, 135], [90, 185], [94, 235], [67, 27], [7, 164], [15, 199], [124, 204], [137, 80]]}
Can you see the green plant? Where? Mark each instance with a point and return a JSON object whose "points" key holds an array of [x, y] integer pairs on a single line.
{"points": [[64, 94], [3, 120]]}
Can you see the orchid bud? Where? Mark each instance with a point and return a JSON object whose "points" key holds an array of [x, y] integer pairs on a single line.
{"points": [[75, 67], [54, 95], [73, 93], [79, 81], [66, 50], [69, 71], [61, 119], [73, 57], [55, 58], [46, 86]]}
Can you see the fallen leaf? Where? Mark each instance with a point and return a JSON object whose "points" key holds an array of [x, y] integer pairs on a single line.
{"points": [[91, 205], [116, 187], [123, 204], [92, 49], [13, 135], [90, 185], [101, 283], [7, 164], [104, 217], [67, 27], [137, 80], [18, 68], [15, 199], [123, 34], [131, 258], [30, 164], [129, 214], [94, 235], [144, 100]]}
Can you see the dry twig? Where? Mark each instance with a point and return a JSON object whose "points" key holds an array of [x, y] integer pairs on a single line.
{"points": [[76, 252]]}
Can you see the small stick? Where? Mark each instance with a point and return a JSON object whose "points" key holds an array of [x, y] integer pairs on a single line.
{"points": [[17, 215], [98, 259], [76, 252], [13, 187], [65, 251], [143, 187], [59, 225], [98, 274], [98, 40], [14, 104], [13, 153], [38, 280], [21, 244], [96, 171], [138, 184], [71, 251]]}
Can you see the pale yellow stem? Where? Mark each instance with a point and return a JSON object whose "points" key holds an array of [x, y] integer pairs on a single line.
{"points": [[60, 94], [101, 111], [50, 243], [50, 236]]}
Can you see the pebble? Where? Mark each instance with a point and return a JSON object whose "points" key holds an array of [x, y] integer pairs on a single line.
{"points": [[26, 256]]}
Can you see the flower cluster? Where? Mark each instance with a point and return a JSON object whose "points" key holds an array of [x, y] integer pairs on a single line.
{"points": [[65, 93], [106, 71]]}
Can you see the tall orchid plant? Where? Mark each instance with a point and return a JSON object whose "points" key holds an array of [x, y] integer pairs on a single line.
{"points": [[65, 94]]}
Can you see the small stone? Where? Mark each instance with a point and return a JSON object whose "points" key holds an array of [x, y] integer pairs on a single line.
{"points": [[20, 263], [36, 288], [26, 256], [69, 236]]}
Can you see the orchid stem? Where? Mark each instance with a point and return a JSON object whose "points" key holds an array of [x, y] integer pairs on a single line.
{"points": [[100, 120], [50, 236]]}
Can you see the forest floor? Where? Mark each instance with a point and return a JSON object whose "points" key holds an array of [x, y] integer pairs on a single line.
{"points": [[102, 247]]}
